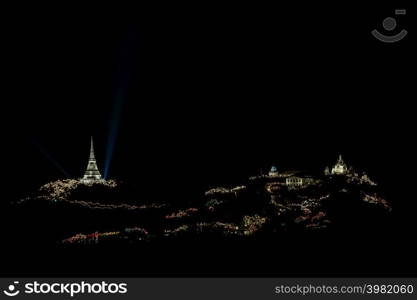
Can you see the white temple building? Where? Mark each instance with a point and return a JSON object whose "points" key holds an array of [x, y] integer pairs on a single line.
{"points": [[294, 181], [273, 172], [340, 167], [92, 174]]}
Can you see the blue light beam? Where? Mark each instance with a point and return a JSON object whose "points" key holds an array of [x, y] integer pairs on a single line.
{"points": [[127, 59], [50, 158]]}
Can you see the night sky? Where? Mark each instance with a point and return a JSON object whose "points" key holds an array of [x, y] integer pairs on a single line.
{"points": [[183, 98], [202, 96]]}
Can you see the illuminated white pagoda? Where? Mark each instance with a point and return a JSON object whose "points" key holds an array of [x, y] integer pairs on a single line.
{"points": [[340, 167], [92, 174]]}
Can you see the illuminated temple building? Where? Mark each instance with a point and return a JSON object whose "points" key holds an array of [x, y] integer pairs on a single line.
{"points": [[273, 172], [92, 174], [292, 180], [340, 167]]}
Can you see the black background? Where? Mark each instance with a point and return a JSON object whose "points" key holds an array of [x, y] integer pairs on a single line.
{"points": [[209, 95]]}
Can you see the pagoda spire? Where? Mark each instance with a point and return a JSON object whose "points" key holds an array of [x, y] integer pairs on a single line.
{"points": [[92, 174], [92, 156]]}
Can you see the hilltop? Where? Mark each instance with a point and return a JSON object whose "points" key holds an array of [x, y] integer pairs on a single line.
{"points": [[262, 207]]}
